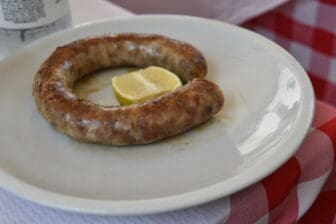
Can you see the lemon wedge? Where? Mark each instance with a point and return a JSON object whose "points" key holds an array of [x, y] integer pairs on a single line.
{"points": [[144, 84]]}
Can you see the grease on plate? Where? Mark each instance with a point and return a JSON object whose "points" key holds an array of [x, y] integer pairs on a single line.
{"points": [[97, 87]]}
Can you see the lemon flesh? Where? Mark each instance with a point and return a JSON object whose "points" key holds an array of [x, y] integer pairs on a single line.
{"points": [[144, 84]]}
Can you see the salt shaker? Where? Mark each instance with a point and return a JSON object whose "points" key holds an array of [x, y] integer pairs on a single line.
{"points": [[22, 21]]}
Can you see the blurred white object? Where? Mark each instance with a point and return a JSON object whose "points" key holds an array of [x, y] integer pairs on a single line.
{"points": [[234, 11], [84, 11], [22, 21]]}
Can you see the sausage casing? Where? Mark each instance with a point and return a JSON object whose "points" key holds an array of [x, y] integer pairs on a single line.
{"points": [[161, 117]]}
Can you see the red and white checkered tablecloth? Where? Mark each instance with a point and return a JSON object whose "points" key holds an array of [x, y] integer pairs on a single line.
{"points": [[304, 189], [307, 29], [287, 194]]}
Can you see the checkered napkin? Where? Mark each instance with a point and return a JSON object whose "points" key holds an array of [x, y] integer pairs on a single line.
{"points": [[307, 29]]}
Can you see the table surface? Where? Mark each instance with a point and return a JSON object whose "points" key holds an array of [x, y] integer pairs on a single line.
{"points": [[94, 10]]}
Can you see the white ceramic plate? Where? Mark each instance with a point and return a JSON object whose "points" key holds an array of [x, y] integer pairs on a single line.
{"points": [[268, 110]]}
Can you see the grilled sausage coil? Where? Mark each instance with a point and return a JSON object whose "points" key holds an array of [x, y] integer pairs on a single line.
{"points": [[161, 117]]}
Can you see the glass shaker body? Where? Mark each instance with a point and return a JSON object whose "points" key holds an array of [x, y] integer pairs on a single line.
{"points": [[22, 21]]}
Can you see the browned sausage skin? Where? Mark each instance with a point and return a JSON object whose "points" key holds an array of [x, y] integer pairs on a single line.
{"points": [[151, 121]]}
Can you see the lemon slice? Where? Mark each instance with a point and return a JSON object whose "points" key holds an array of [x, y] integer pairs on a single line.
{"points": [[144, 84]]}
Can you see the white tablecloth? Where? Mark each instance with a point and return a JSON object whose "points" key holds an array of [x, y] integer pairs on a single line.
{"points": [[89, 10]]}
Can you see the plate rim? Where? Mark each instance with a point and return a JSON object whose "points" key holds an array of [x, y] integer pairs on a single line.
{"points": [[173, 202]]}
